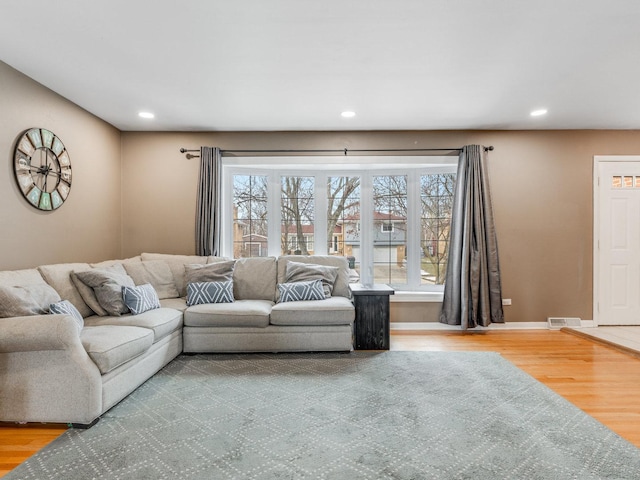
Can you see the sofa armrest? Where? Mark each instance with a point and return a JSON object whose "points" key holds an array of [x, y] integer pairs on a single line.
{"points": [[37, 333], [46, 374]]}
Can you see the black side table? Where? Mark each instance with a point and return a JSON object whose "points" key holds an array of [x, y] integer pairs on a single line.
{"points": [[372, 316]]}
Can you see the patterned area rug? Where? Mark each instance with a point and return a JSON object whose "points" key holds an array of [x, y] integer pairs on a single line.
{"points": [[364, 415]]}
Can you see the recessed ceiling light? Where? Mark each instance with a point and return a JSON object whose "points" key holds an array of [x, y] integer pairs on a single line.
{"points": [[538, 113], [348, 114], [146, 115]]}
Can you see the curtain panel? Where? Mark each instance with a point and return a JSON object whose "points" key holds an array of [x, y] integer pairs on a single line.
{"points": [[472, 290], [209, 202]]}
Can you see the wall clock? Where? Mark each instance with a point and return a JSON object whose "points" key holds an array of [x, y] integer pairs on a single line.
{"points": [[42, 168]]}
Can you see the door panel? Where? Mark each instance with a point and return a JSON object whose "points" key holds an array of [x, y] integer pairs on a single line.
{"points": [[618, 236]]}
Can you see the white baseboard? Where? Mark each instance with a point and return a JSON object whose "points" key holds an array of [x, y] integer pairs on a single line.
{"points": [[399, 326]]}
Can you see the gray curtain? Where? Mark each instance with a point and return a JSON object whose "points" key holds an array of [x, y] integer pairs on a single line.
{"points": [[208, 207], [472, 291]]}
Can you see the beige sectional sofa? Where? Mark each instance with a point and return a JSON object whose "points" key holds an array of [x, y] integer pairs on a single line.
{"points": [[52, 370]]}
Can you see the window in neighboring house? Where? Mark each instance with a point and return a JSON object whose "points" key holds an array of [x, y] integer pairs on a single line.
{"points": [[249, 215], [387, 227]]}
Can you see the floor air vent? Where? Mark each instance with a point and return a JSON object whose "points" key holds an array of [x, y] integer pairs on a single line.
{"points": [[555, 323]]}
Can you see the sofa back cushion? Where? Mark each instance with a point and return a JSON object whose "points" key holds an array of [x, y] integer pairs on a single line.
{"points": [[154, 272], [24, 292], [341, 285], [176, 264], [59, 277], [255, 279]]}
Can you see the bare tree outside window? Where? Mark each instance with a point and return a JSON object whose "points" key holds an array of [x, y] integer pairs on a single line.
{"points": [[436, 195], [297, 206], [249, 216], [343, 214]]}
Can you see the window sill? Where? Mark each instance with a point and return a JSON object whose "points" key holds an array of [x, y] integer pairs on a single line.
{"points": [[423, 297]]}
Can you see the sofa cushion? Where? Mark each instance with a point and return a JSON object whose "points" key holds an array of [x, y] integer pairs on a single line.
{"points": [[330, 311], [304, 272], [245, 273], [140, 298], [59, 277], [176, 264], [341, 285], [25, 293], [213, 272], [241, 313], [156, 273], [108, 263], [65, 307], [209, 292], [18, 301], [109, 346], [299, 291], [161, 321], [107, 284]]}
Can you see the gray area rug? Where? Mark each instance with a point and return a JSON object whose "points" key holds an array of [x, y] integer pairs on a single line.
{"points": [[364, 415]]}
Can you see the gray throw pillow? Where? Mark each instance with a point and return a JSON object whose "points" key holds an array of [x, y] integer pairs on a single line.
{"points": [[26, 300], [301, 291], [212, 272], [107, 286], [304, 272]]}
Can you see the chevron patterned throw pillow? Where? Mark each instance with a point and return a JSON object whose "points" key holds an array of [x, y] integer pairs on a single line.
{"points": [[209, 292], [298, 291], [141, 298], [65, 306]]}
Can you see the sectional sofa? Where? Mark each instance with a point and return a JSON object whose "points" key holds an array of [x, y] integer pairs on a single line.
{"points": [[59, 368]]}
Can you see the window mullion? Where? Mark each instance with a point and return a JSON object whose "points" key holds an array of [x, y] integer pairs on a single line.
{"points": [[320, 215], [413, 229], [274, 214], [366, 229]]}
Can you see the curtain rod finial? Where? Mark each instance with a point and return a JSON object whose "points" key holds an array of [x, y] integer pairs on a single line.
{"points": [[489, 148]]}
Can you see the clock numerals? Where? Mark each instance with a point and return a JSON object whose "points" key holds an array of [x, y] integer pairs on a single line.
{"points": [[26, 147], [58, 147], [64, 160], [56, 200], [34, 196], [34, 136], [47, 138], [63, 190], [45, 201]]}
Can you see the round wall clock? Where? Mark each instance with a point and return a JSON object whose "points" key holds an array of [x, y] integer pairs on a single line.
{"points": [[42, 168]]}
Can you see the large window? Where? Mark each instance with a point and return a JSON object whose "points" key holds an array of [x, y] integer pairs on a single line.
{"points": [[389, 217]]}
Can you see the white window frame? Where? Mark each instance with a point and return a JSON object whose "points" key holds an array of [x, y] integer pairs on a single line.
{"points": [[366, 167]]}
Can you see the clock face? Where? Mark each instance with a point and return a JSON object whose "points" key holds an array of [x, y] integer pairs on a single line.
{"points": [[43, 169]]}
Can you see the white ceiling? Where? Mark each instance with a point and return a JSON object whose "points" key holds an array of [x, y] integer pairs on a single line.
{"points": [[214, 65]]}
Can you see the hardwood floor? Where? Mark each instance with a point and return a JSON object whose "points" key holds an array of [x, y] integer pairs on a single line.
{"points": [[596, 378]]}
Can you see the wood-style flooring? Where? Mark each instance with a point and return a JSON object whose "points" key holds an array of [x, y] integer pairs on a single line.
{"points": [[595, 377]]}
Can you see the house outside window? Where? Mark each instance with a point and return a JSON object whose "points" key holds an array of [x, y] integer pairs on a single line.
{"points": [[391, 219]]}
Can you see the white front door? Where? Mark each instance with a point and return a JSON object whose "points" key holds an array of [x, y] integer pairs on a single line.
{"points": [[617, 241]]}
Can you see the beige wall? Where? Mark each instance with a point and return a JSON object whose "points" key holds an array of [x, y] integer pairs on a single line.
{"points": [[541, 185], [87, 226], [135, 192]]}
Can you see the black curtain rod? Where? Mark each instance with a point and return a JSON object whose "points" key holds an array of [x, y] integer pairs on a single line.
{"points": [[344, 151]]}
